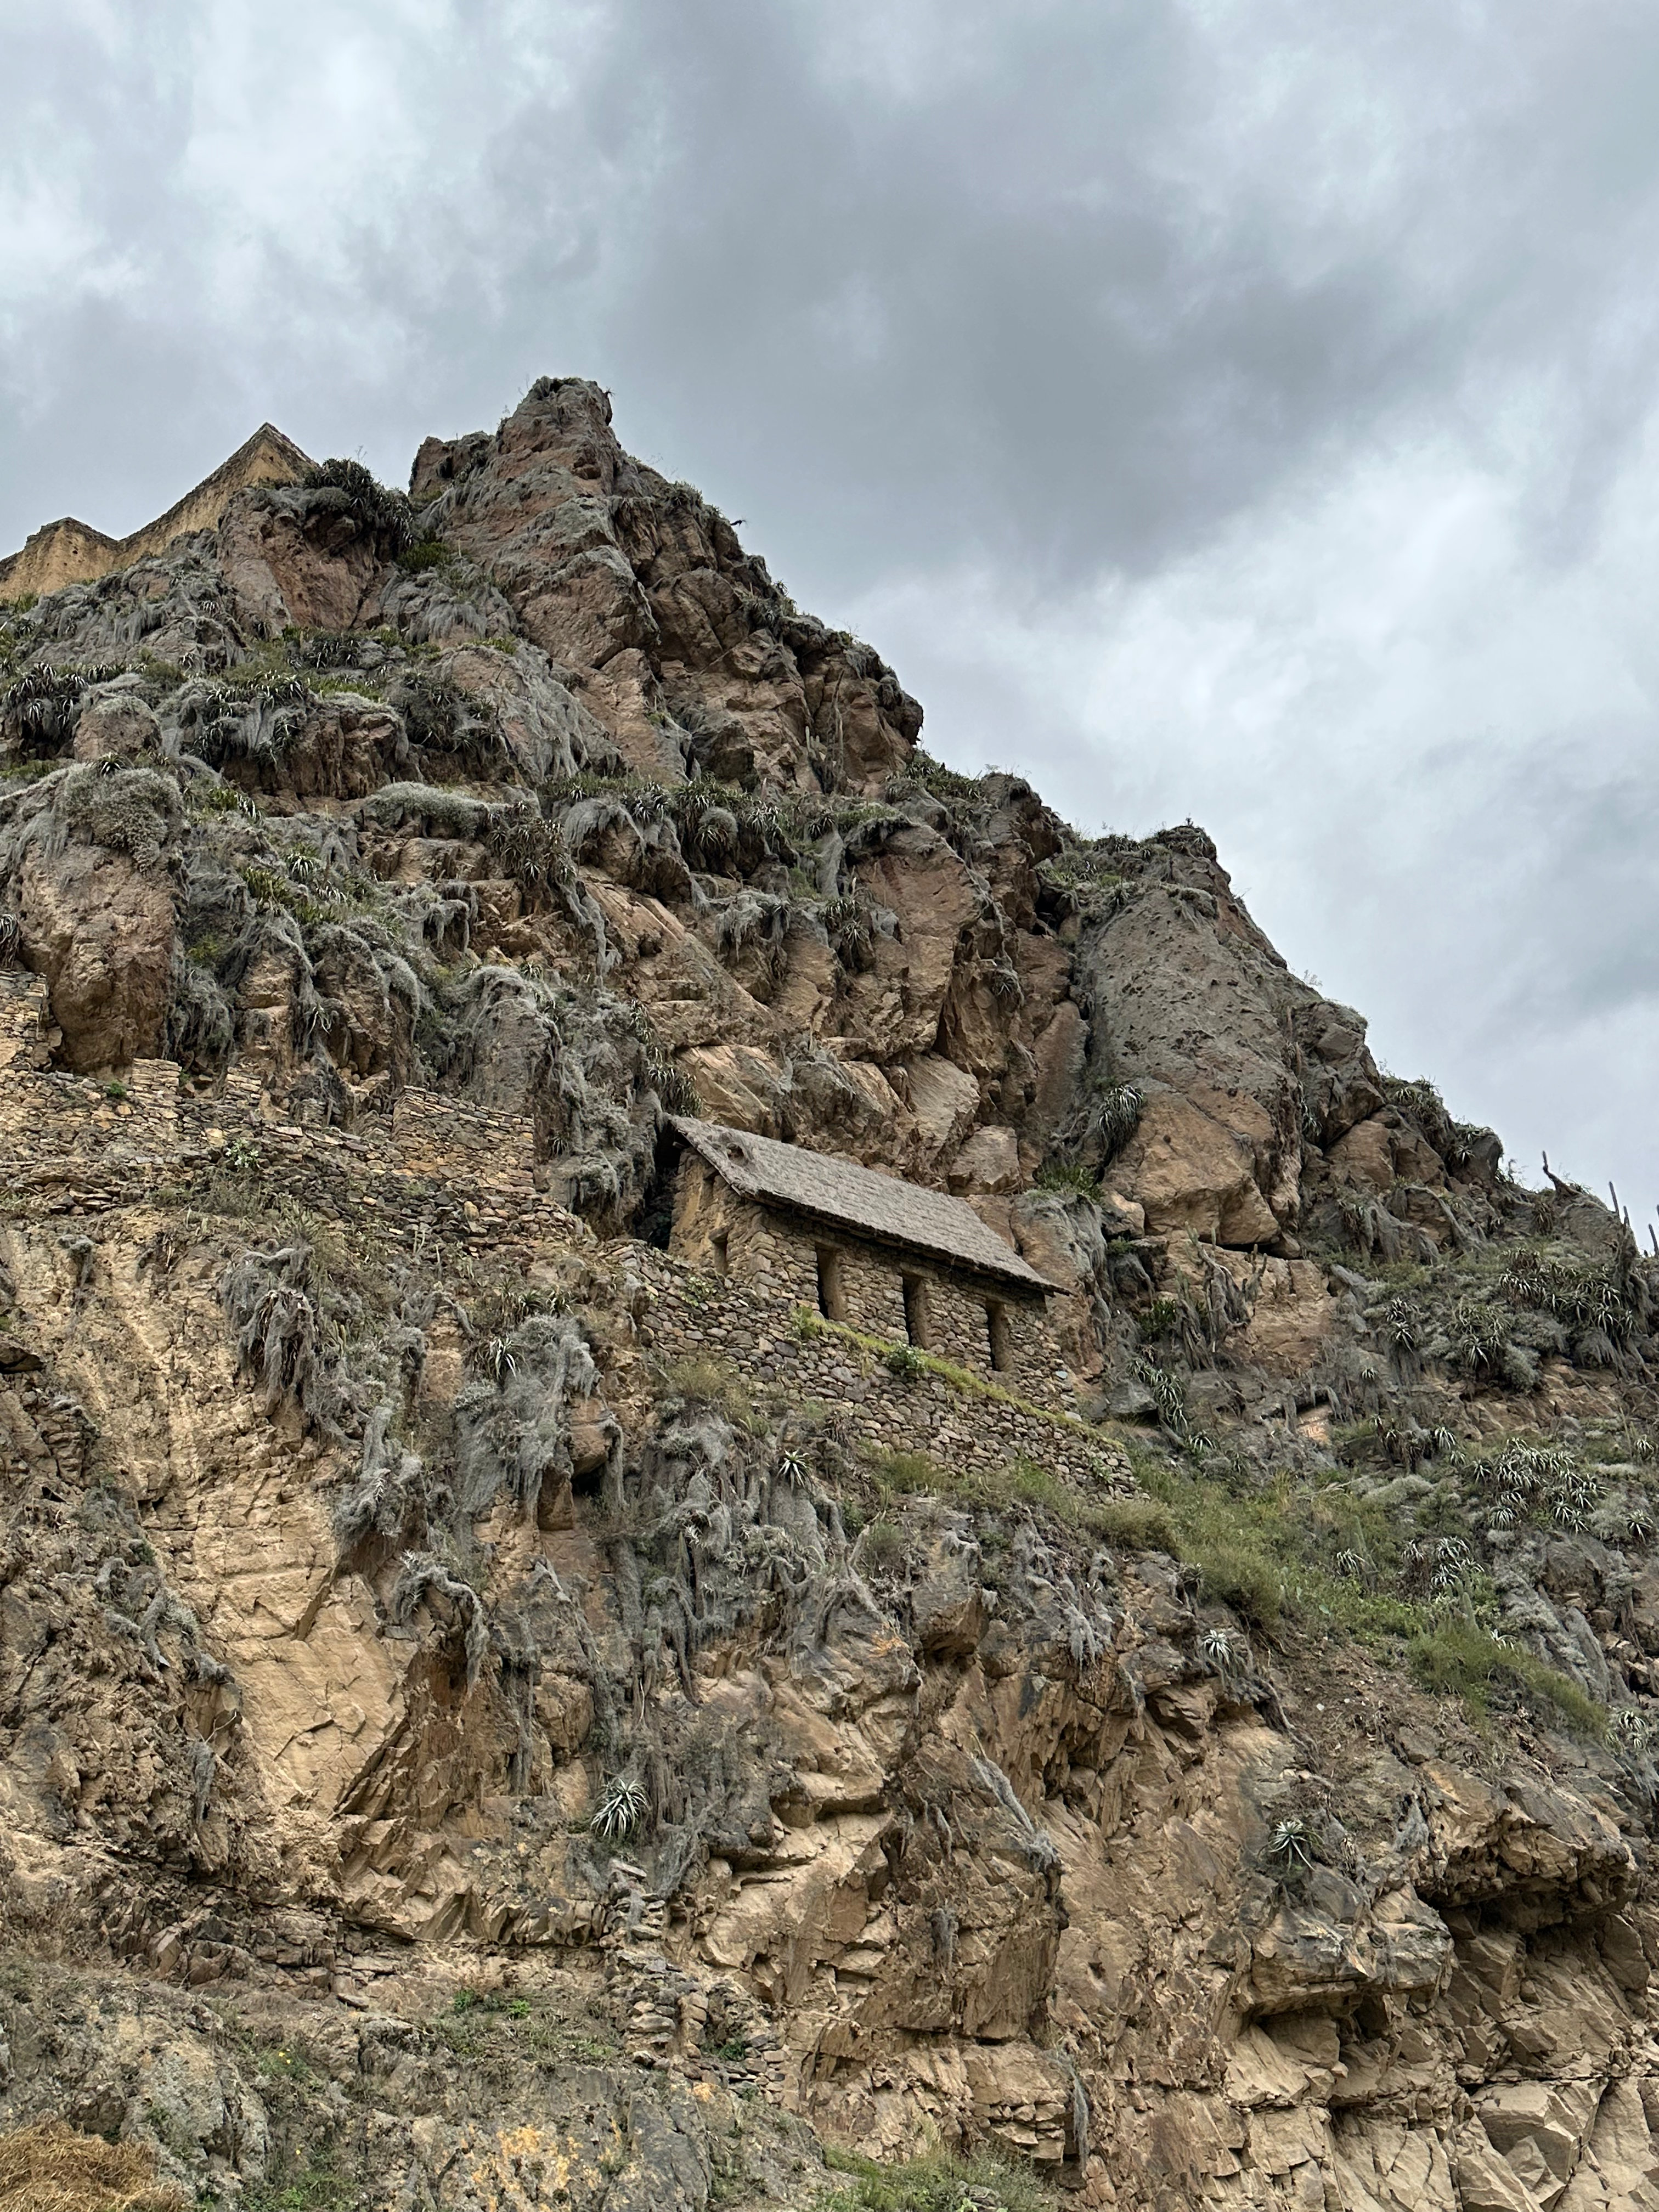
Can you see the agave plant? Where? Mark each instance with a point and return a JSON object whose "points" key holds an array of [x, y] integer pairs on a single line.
{"points": [[1399, 1327], [621, 1808], [531, 849], [1632, 1731], [850, 929], [497, 1361], [1290, 1846], [1118, 1116], [1221, 1648]]}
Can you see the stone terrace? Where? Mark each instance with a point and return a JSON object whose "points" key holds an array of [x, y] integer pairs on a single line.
{"points": [[967, 1430], [72, 1147]]}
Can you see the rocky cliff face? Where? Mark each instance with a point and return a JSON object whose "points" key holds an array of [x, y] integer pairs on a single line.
{"points": [[490, 1719]]}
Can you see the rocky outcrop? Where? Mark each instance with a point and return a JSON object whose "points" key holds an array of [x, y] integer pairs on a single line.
{"points": [[613, 1733], [95, 910], [693, 659]]}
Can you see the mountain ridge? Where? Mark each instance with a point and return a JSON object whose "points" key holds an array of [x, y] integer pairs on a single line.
{"points": [[500, 1708]]}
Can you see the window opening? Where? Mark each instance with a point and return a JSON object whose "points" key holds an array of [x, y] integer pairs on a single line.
{"points": [[832, 1286], [1002, 1349], [916, 1326], [719, 1244]]}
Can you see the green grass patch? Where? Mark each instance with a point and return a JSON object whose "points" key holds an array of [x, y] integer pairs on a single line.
{"points": [[708, 1382], [1286, 1547], [1399, 1274], [207, 800], [883, 1544], [1161, 1318], [426, 553], [1620, 1446], [315, 2188], [806, 1325], [354, 686], [1455, 1659], [1133, 1524], [1072, 1182], [934, 2183], [1021, 1481], [285, 2062]]}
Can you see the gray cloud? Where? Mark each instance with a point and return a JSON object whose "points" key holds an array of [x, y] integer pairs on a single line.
{"points": [[1244, 412]]}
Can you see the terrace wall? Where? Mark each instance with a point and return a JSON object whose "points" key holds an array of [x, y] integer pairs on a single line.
{"points": [[436, 1171]]}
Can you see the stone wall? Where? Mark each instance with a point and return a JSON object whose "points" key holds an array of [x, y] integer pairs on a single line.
{"points": [[432, 1134], [25, 1010], [72, 552], [58, 553], [949, 1311], [72, 1147], [756, 1329]]}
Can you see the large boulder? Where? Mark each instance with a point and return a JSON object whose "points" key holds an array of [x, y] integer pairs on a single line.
{"points": [[1191, 1173], [1186, 992], [299, 558], [94, 907], [115, 722], [101, 934]]}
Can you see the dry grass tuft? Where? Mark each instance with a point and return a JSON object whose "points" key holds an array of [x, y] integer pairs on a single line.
{"points": [[49, 2167]]}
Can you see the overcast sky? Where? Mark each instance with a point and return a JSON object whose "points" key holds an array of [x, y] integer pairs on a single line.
{"points": [[1241, 409]]}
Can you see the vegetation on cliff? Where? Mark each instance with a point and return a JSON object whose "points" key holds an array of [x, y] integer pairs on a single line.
{"points": [[481, 1701]]}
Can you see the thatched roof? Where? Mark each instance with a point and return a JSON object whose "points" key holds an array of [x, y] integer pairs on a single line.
{"points": [[843, 1196]]}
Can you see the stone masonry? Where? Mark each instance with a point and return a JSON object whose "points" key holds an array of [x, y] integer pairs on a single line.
{"points": [[71, 1146], [904, 1297]]}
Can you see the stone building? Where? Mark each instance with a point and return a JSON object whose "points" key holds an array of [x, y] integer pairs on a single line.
{"points": [[887, 1257], [72, 552]]}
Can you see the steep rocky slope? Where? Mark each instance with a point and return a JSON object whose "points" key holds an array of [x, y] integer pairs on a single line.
{"points": [[490, 1719]]}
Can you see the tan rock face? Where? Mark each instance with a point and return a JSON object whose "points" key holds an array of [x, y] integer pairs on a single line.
{"points": [[117, 723], [919, 878], [943, 1099], [1292, 1313], [989, 1161], [1186, 992], [101, 934], [286, 564], [407, 1586], [1189, 1172], [1382, 1150], [692, 655]]}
